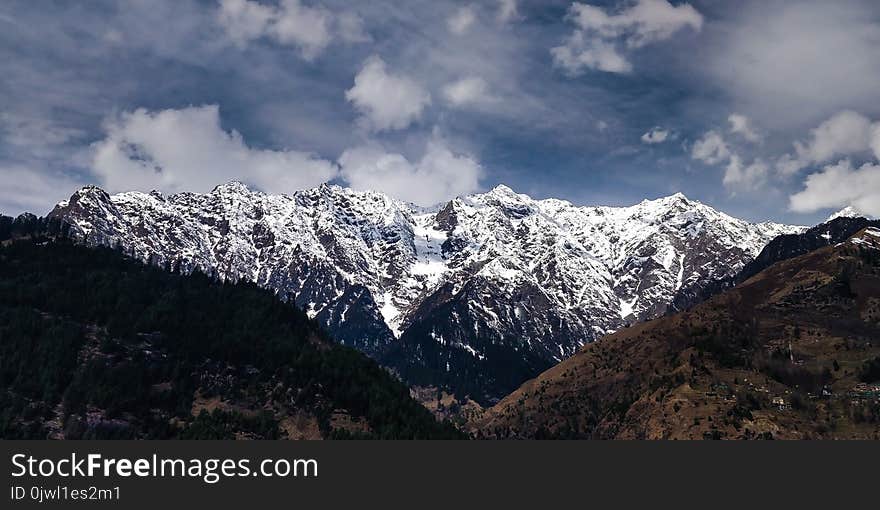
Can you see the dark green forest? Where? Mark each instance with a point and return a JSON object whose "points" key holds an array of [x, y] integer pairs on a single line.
{"points": [[98, 345]]}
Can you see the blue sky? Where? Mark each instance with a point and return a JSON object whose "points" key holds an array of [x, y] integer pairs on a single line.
{"points": [[766, 110]]}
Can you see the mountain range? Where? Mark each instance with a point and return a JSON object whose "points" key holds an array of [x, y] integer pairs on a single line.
{"points": [[475, 295]]}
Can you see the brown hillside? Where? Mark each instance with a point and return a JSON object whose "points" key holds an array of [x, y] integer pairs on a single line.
{"points": [[793, 352]]}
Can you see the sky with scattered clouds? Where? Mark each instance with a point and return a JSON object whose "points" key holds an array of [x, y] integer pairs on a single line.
{"points": [[766, 110]]}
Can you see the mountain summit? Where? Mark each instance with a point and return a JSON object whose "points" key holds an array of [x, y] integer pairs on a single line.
{"points": [[849, 212], [478, 294]]}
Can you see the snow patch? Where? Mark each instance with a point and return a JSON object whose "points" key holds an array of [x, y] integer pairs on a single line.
{"points": [[429, 261], [391, 314], [626, 307]]}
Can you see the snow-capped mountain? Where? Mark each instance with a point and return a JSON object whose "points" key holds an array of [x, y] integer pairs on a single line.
{"points": [[849, 212], [478, 294]]}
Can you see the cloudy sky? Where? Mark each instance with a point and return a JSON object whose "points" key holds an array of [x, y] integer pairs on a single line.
{"points": [[766, 110]]}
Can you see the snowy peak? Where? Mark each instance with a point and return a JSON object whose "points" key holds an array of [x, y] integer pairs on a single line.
{"points": [[504, 190], [236, 187], [677, 199], [849, 212]]}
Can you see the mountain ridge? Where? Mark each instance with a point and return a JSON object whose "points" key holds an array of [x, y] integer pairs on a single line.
{"points": [[430, 291]]}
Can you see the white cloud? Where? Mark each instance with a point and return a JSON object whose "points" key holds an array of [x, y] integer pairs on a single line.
{"points": [[461, 21], [600, 39], [711, 149], [387, 101], [578, 54], [302, 26], [467, 91], [746, 178], [311, 29], [439, 175], [655, 135], [188, 150], [245, 20], [840, 185], [740, 124], [846, 133], [507, 10]]}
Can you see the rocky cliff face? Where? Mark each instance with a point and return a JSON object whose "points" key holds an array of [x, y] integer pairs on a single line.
{"points": [[478, 294]]}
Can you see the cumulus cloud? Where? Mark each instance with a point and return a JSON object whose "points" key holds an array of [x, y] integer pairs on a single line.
{"points": [[245, 20], [385, 100], [507, 10], [844, 134], [741, 125], [470, 90], [655, 135], [305, 27], [311, 29], [738, 176], [840, 185], [461, 21], [188, 150], [600, 40], [711, 149], [439, 175]]}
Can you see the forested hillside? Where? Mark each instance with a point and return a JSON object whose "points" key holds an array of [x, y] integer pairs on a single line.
{"points": [[94, 344]]}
